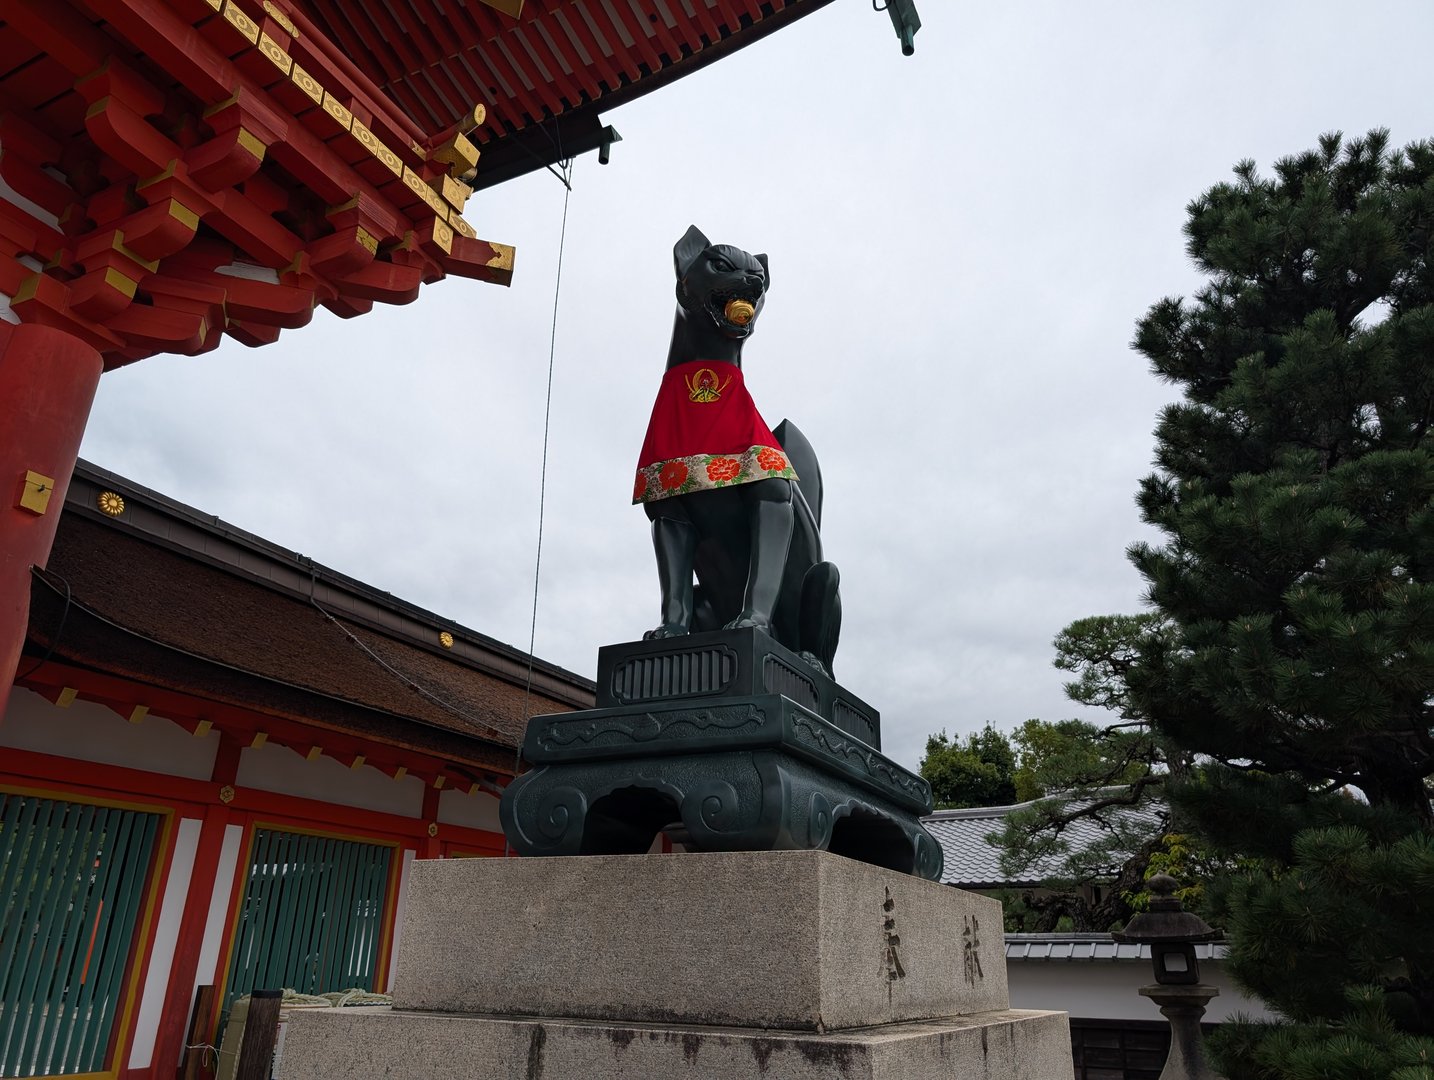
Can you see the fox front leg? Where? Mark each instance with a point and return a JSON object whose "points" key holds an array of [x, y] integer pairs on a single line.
{"points": [[770, 517], [674, 542]]}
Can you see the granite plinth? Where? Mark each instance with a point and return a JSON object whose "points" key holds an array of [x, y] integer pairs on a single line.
{"points": [[354, 1044], [798, 940]]}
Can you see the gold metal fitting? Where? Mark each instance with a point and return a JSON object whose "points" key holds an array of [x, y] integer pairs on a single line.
{"points": [[111, 503], [445, 639], [739, 312]]}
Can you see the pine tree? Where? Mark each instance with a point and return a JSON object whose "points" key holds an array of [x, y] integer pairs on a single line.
{"points": [[1108, 779], [1295, 491]]}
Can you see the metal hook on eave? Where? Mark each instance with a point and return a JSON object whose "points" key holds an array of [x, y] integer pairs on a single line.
{"points": [[905, 20], [609, 136]]}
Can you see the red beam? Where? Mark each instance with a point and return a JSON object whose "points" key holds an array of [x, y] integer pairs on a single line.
{"points": [[573, 20], [522, 108], [27, 768], [705, 21], [413, 102], [399, 39], [564, 53], [659, 27], [637, 33], [349, 37], [62, 33], [242, 723]]}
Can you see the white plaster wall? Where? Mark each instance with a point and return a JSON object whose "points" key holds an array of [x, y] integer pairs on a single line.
{"points": [[1107, 989], [93, 732], [220, 890], [277, 768], [171, 909], [476, 811]]}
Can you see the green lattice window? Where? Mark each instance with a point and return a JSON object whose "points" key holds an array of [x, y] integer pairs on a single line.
{"points": [[72, 883], [312, 916]]}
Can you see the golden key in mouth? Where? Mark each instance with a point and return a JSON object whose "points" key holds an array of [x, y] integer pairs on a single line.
{"points": [[739, 312]]}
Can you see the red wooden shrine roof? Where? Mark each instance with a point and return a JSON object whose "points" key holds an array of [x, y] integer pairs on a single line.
{"points": [[170, 609], [174, 171], [542, 73]]}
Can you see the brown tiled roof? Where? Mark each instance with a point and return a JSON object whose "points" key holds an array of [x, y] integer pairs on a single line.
{"points": [[145, 608]]}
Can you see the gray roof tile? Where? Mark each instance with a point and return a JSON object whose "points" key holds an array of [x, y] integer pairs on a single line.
{"points": [[1081, 947], [973, 861]]}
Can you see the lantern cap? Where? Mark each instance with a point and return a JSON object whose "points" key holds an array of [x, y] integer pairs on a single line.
{"points": [[1166, 922]]}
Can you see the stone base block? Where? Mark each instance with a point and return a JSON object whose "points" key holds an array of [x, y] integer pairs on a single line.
{"points": [[800, 940], [366, 1044]]}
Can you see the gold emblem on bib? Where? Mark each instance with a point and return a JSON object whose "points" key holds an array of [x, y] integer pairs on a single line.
{"points": [[702, 386]]}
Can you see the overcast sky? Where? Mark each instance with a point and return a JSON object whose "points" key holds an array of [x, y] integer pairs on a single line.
{"points": [[960, 243]]}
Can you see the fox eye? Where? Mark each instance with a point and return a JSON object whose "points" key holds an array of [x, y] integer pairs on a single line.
{"points": [[721, 265]]}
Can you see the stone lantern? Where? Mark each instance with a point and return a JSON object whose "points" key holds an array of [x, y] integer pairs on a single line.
{"points": [[1172, 935]]}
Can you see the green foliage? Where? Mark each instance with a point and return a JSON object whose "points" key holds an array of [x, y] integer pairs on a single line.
{"points": [[1075, 772], [1100, 650], [1294, 481], [977, 771], [1366, 1043], [1290, 678], [1112, 851], [1076, 758], [1026, 913], [1190, 860], [1348, 907]]}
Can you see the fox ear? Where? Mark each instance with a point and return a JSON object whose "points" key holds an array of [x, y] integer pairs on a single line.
{"points": [[688, 248], [766, 270]]}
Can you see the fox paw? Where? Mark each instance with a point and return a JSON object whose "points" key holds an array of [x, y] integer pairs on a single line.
{"points": [[666, 630], [815, 661], [750, 620]]}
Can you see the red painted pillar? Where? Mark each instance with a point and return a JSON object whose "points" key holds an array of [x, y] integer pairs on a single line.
{"points": [[47, 385], [429, 847], [179, 994]]}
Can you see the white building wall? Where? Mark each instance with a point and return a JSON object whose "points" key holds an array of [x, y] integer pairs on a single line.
{"points": [[1107, 990], [478, 810], [286, 772], [93, 732], [90, 732]]}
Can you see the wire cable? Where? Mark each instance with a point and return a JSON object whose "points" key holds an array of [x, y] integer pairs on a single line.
{"points": [[39, 572], [543, 472], [417, 688]]}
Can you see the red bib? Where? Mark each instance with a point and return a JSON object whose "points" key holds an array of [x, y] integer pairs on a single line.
{"points": [[705, 432]]}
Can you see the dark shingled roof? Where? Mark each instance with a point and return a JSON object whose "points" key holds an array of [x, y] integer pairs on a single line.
{"points": [[169, 597], [973, 862]]}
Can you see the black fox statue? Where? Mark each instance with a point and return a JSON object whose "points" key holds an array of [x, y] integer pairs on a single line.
{"points": [[724, 729], [732, 503]]}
